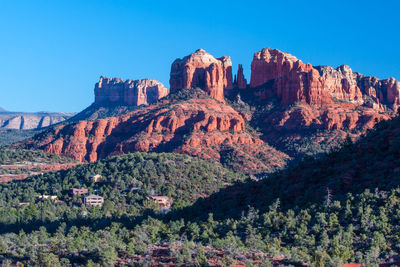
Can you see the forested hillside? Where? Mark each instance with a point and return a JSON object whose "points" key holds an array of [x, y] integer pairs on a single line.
{"points": [[340, 208], [125, 182]]}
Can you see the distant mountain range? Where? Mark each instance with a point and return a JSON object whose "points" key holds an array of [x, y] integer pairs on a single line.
{"points": [[30, 121]]}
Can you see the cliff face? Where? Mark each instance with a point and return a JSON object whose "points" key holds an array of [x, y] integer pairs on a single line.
{"points": [[29, 121], [319, 102], [291, 81], [340, 83], [381, 92], [202, 70], [129, 92], [199, 127]]}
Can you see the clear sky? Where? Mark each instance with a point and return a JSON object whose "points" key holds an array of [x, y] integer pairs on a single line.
{"points": [[53, 52]]}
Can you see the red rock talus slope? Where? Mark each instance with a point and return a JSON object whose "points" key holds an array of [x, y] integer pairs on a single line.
{"points": [[129, 92], [202, 70], [199, 127]]}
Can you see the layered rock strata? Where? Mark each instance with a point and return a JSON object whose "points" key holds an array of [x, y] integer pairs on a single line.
{"points": [[291, 81], [200, 69], [129, 92], [198, 127]]}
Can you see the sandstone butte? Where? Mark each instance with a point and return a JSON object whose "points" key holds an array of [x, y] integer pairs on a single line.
{"points": [[202, 70], [319, 97], [198, 127], [293, 81], [129, 92]]}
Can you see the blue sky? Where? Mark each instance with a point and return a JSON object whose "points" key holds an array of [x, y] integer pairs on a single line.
{"points": [[53, 52]]}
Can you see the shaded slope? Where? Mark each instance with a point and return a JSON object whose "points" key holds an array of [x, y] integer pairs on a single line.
{"points": [[340, 208], [101, 110], [371, 163], [10, 136]]}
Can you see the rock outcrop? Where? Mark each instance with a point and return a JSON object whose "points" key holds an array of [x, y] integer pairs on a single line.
{"points": [[340, 83], [240, 81], [198, 127], [381, 92], [129, 92], [202, 70]]}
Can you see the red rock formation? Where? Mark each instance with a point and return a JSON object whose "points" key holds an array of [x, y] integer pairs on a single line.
{"points": [[240, 80], [198, 127], [291, 81], [227, 72], [321, 103], [131, 92], [200, 69], [340, 83], [317, 104], [382, 92]]}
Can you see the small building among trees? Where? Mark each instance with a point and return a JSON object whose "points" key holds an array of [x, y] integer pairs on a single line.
{"points": [[79, 191], [47, 197], [93, 200], [95, 177], [162, 201]]}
